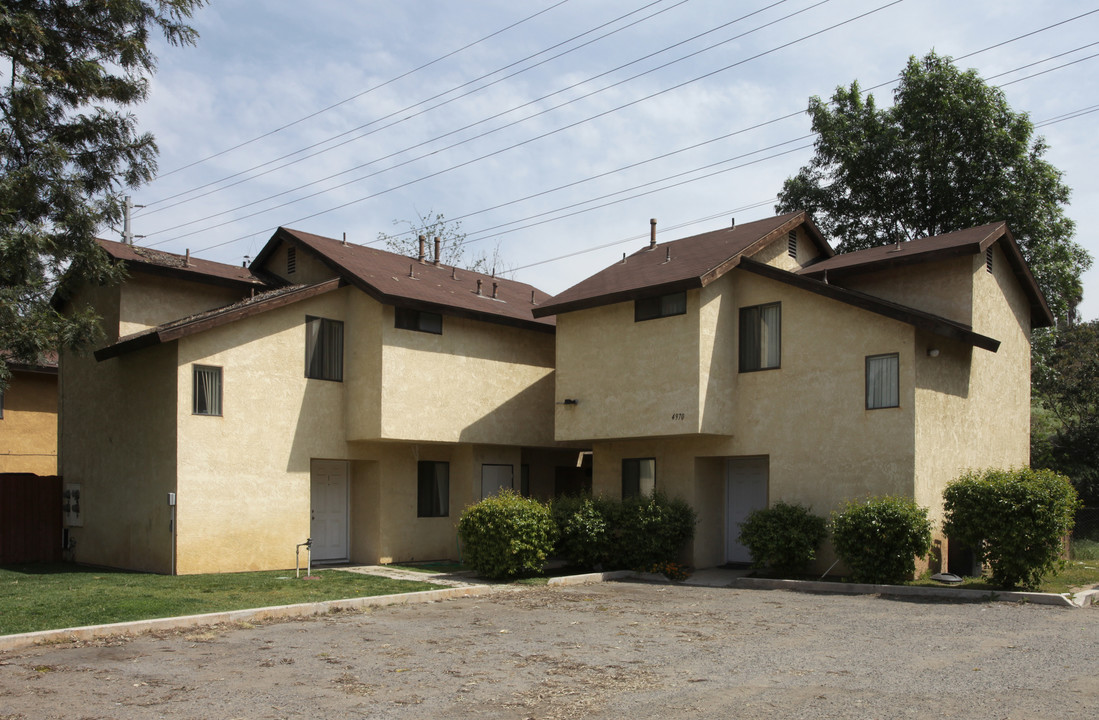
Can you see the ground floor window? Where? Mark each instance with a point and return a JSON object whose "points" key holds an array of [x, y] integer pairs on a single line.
{"points": [[495, 478], [433, 496], [638, 477]]}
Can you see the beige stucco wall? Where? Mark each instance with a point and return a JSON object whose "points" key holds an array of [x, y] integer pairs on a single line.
{"points": [[943, 288], [117, 442], [28, 429], [776, 253], [150, 300], [308, 268], [973, 404], [630, 379], [244, 477], [808, 417], [477, 382]]}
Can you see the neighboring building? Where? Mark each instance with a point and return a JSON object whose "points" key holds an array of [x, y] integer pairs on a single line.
{"points": [[28, 419], [331, 391], [750, 365], [363, 398]]}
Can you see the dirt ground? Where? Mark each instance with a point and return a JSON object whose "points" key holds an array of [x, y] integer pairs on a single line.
{"points": [[611, 650]]}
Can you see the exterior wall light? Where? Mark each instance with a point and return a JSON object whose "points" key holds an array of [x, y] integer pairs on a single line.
{"points": [[932, 352]]}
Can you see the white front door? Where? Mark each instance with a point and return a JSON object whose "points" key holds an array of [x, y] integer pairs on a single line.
{"points": [[745, 491], [328, 510]]}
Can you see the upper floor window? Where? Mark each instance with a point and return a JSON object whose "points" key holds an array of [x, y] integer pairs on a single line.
{"points": [[882, 381], [421, 320], [760, 337], [638, 477], [323, 349], [660, 306], [206, 395]]}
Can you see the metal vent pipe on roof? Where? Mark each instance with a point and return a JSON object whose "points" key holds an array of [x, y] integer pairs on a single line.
{"points": [[438, 245], [345, 239], [652, 233], [423, 245], [732, 223], [479, 283], [187, 258], [495, 288]]}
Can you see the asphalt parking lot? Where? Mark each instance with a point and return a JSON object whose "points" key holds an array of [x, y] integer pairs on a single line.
{"points": [[610, 650]]}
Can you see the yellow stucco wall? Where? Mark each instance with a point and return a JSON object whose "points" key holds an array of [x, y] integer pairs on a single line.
{"points": [[244, 476], [942, 288], [117, 442], [28, 428], [974, 405], [150, 300], [630, 379], [477, 382]]}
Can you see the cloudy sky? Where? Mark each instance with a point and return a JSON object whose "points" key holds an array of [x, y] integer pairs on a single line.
{"points": [[553, 130]]}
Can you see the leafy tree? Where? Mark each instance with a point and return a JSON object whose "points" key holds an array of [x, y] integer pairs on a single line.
{"points": [[68, 150], [1065, 425], [452, 242], [948, 155]]}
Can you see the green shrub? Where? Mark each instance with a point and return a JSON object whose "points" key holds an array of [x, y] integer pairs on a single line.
{"points": [[881, 538], [1016, 520], [647, 531], [506, 536], [582, 526], [631, 534], [784, 537]]}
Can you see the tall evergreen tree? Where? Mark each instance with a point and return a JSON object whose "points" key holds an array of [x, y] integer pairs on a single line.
{"points": [[949, 154], [69, 148]]}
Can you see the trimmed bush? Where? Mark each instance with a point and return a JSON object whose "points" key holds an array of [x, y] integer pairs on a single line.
{"points": [[632, 534], [506, 536], [1016, 520], [583, 537], [647, 531], [784, 537], [881, 538]]}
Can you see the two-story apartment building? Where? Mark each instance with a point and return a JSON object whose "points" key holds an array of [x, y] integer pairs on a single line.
{"points": [[331, 391], [28, 418], [750, 365]]}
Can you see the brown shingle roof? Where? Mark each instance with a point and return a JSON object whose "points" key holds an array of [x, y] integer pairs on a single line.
{"points": [[940, 247], [385, 276], [691, 262], [163, 263]]}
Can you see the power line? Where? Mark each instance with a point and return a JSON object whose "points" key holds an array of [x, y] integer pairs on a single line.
{"points": [[359, 95], [552, 132], [413, 106], [460, 129]]}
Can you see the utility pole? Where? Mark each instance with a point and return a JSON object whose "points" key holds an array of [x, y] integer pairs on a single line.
{"points": [[127, 234]]}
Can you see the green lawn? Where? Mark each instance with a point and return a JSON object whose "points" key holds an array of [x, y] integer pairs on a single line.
{"points": [[45, 597]]}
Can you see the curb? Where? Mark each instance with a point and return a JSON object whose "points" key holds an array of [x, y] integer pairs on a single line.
{"points": [[930, 593], [597, 577], [91, 632]]}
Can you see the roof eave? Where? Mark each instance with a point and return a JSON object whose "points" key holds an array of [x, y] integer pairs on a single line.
{"points": [[691, 283], [917, 318]]}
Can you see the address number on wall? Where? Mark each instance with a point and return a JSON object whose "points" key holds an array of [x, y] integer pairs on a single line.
{"points": [[679, 416]]}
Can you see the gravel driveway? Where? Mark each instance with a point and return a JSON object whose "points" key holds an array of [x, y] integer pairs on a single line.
{"points": [[612, 650]]}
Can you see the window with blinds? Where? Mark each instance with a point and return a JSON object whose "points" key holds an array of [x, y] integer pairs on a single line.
{"points": [[882, 381], [760, 337], [323, 349], [206, 394]]}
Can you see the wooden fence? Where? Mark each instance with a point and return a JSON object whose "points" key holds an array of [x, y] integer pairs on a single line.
{"points": [[30, 518]]}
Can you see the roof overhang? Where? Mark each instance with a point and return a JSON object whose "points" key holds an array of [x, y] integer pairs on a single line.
{"points": [[934, 324]]}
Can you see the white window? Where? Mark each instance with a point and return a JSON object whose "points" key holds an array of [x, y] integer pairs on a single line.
{"points": [[760, 337], [495, 478], [323, 349], [882, 381], [206, 397]]}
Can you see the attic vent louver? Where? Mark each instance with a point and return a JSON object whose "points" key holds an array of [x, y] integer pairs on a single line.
{"points": [[291, 260], [792, 244], [988, 260]]}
